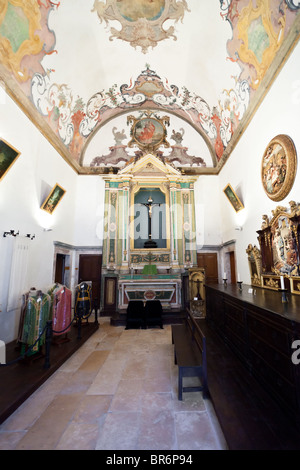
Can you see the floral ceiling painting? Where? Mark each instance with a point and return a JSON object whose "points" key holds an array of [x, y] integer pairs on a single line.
{"points": [[208, 65]]}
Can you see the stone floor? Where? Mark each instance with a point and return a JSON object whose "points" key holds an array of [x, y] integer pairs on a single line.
{"points": [[117, 392]]}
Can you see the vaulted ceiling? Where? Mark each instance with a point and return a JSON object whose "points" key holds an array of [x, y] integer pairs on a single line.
{"points": [[88, 73]]}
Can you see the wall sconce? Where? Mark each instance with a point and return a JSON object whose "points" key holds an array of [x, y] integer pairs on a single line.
{"points": [[12, 233], [30, 236], [238, 228]]}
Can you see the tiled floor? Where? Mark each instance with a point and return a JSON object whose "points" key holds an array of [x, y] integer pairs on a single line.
{"points": [[118, 392]]}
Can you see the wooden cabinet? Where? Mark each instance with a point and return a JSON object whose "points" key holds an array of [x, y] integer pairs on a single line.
{"points": [[260, 331]]}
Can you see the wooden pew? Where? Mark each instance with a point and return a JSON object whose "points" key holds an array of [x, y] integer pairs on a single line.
{"points": [[190, 355]]}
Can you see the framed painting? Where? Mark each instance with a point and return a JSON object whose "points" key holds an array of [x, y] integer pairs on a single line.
{"points": [[52, 200], [233, 198], [149, 132], [279, 166], [8, 156]]}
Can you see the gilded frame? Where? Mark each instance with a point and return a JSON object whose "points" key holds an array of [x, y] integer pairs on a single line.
{"points": [[53, 199], [196, 288], [233, 198], [279, 167], [295, 284], [135, 189], [148, 132], [8, 156]]}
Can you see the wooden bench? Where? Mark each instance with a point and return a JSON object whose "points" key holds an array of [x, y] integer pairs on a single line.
{"points": [[190, 355]]}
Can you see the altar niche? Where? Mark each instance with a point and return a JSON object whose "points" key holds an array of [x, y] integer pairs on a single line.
{"points": [[150, 219]]}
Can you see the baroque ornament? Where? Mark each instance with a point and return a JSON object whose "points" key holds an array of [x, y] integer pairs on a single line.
{"points": [[279, 166], [142, 22], [23, 18], [148, 132], [260, 40]]}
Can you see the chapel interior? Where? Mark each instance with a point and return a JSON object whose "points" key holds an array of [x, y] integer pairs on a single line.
{"points": [[149, 187]]}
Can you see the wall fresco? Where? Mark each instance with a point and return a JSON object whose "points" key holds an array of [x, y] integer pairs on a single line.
{"points": [[141, 22]]}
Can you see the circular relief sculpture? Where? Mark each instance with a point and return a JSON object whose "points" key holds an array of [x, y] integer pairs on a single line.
{"points": [[279, 166]]}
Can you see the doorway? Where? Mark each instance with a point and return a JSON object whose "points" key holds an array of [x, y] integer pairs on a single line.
{"points": [[229, 266], [90, 270], [232, 267], [60, 269], [209, 261]]}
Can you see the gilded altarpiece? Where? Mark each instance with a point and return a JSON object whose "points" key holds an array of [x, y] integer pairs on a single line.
{"points": [[279, 240], [197, 292], [149, 273]]}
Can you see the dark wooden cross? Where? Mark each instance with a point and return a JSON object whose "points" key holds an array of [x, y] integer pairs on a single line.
{"points": [[150, 204]]}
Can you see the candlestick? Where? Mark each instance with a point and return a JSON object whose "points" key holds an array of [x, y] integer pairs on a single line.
{"points": [[225, 281], [240, 285], [282, 282], [239, 278], [284, 298]]}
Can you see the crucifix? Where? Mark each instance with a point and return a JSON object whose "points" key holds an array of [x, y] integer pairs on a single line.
{"points": [[150, 204]]}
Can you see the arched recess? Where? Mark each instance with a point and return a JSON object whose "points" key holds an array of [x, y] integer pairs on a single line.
{"points": [[182, 122], [141, 230]]}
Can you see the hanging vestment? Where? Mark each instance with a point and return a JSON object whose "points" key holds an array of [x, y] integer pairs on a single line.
{"points": [[35, 318], [61, 310], [22, 316], [83, 299], [32, 292]]}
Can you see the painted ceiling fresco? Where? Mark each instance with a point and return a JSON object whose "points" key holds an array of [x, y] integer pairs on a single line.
{"points": [[78, 69]]}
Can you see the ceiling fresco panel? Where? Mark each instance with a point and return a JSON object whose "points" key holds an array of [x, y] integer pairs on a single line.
{"points": [[74, 67]]}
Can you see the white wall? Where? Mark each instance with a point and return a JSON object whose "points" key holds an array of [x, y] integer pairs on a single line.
{"points": [[22, 192], [207, 211], [279, 113], [89, 211]]}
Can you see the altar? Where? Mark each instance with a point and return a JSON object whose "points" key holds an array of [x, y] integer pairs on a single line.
{"points": [[149, 241], [166, 288]]}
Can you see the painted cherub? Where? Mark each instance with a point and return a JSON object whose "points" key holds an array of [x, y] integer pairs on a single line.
{"points": [[295, 208]]}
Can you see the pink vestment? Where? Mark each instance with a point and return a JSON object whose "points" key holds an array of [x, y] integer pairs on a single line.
{"points": [[62, 302]]}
